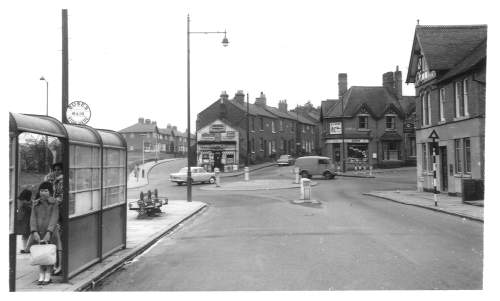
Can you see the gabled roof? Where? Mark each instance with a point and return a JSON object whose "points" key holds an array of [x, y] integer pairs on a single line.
{"points": [[444, 46], [252, 109], [377, 100], [475, 57], [278, 113], [408, 103], [140, 128]]}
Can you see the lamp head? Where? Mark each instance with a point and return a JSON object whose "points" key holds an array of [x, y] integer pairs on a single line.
{"points": [[42, 78], [225, 41]]}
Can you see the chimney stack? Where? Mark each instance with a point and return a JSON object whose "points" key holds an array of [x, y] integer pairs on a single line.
{"points": [[148, 121], [141, 120], [239, 97], [342, 84], [283, 106], [261, 100], [388, 81], [398, 85], [223, 96]]}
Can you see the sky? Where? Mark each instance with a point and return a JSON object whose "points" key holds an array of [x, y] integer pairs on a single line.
{"points": [[128, 59]]}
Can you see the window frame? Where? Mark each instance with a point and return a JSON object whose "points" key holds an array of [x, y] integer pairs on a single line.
{"points": [[458, 146], [365, 117], [393, 121], [465, 97], [442, 99], [467, 156]]}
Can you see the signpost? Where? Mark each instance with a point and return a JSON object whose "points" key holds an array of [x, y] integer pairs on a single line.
{"points": [[434, 136]]}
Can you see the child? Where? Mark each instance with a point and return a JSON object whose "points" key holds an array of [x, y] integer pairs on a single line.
{"points": [[23, 217], [43, 223]]}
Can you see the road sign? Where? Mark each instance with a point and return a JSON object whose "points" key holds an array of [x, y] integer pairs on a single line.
{"points": [[433, 135]]}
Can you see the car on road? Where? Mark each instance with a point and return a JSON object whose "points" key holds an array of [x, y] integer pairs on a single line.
{"points": [[285, 160], [198, 175], [315, 165]]}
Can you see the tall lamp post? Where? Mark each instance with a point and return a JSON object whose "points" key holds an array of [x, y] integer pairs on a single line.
{"points": [[47, 98], [225, 42]]}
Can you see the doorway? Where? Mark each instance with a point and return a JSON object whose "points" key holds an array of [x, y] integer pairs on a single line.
{"points": [[444, 169], [217, 160]]}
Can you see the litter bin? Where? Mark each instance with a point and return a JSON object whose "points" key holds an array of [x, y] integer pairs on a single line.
{"points": [[472, 190]]}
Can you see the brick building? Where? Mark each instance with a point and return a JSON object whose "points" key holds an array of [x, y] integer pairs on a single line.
{"points": [[366, 125], [272, 131], [448, 68], [145, 134]]}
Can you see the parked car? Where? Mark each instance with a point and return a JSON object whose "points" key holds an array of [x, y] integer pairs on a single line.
{"points": [[198, 174], [285, 160], [315, 165]]}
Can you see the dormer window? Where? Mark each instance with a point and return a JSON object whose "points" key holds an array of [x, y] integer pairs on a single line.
{"points": [[390, 122]]}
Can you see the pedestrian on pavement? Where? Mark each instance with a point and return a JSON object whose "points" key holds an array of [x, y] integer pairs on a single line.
{"points": [[23, 216], [56, 178], [43, 224]]}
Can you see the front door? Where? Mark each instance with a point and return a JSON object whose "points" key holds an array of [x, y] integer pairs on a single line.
{"points": [[444, 169], [217, 160]]}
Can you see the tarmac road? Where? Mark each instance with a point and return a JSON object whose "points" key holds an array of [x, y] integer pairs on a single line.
{"points": [[261, 241]]}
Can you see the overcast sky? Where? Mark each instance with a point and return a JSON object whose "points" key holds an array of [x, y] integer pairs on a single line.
{"points": [[127, 59]]}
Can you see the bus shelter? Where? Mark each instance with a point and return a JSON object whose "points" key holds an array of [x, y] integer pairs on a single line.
{"points": [[93, 210]]}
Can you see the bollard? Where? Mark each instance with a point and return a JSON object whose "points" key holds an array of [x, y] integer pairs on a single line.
{"points": [[143, 173], [297, 177], [338, 168], [371, 170], [247, 173], [305, 189], [217, 177]]}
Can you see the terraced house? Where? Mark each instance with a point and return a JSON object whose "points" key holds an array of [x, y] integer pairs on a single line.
{"points": [[222, 132], [368, 126], [448, 68]]}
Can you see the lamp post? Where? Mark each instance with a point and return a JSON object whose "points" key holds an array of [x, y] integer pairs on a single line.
{"points": [[47, 97], [225, 42]]}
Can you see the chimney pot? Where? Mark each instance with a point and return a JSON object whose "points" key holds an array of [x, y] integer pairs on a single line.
{"points": [[141, 120]]}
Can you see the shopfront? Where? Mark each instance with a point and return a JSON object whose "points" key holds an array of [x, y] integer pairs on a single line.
{"points": [[218, 146], [354, 152]]}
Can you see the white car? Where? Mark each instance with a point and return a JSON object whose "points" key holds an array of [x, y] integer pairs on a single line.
{"points": [[198, 174]]}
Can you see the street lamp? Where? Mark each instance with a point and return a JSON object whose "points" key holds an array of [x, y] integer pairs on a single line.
{"points": [[47, 98], [225, 42]]}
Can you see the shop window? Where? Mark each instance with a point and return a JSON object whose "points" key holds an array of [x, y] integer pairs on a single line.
{"points": [[362, 122], [458, 155], [230, 159], [390, 150], [357, 152]]}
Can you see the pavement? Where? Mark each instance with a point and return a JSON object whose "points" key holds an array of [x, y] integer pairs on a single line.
{"points": [[135, 182], [445, 203], [251, 185], [141, 234]]}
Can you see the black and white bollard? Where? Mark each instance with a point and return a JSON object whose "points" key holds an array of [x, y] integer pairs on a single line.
{"points": [[434, 171], [217, 177], [305, 189], [297, 176], [247, 173]]}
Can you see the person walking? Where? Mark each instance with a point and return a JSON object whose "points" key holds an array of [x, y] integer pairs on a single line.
{"points": [[43, 225]]}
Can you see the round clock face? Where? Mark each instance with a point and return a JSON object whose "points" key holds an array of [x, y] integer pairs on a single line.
{"points": [[78, 112]]}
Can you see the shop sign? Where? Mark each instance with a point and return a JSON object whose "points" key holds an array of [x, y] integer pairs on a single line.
{"points": [[229, 136], [409, 127], [207, 137], [217, 128], [347, 141], [335, 128]]}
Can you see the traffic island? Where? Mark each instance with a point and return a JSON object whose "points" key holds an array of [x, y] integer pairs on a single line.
{"points": [[255, 185]]}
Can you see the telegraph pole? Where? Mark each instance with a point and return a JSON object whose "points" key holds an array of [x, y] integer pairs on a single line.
{"points": [[248, 132], [65, 93]]}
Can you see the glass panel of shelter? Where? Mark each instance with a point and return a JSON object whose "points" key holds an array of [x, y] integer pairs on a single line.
{"points": [[114, 177], [84, 179]]}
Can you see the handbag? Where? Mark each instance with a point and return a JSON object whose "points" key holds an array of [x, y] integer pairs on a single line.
{"points": [[43, 254]]}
